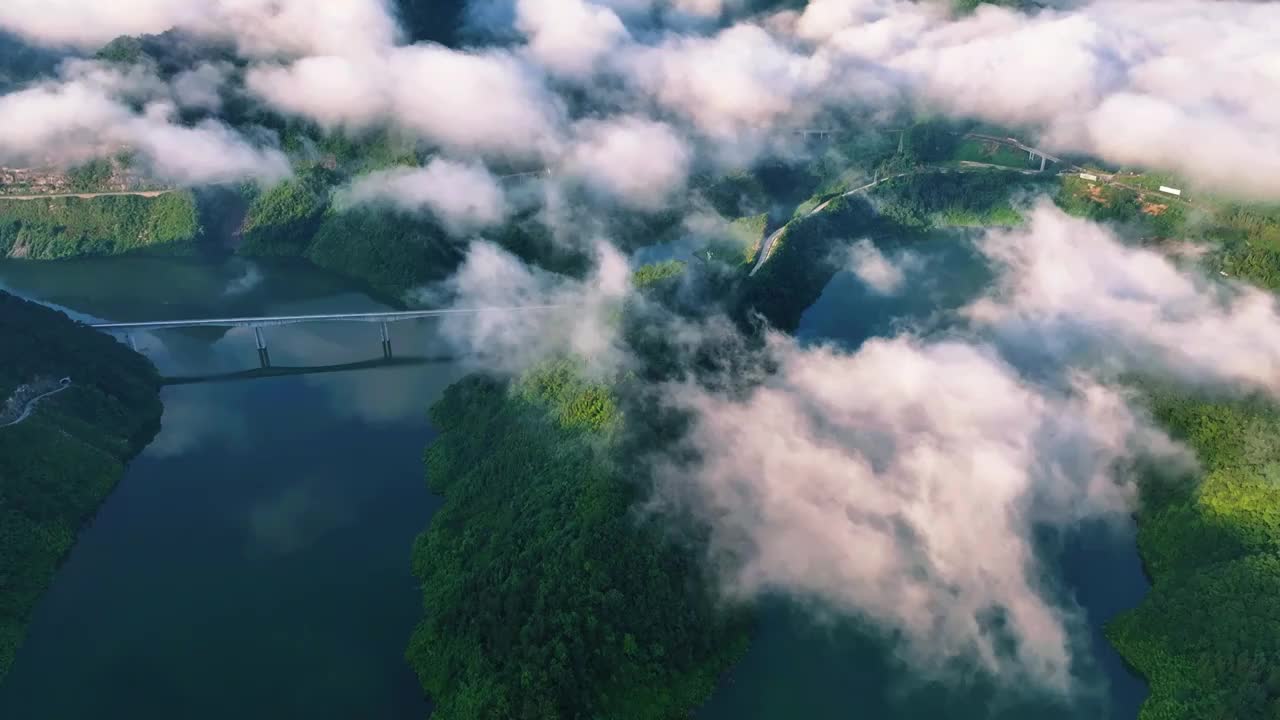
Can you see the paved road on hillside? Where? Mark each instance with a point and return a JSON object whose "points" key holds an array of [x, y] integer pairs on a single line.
{"points": [[31, 404], [767, 248], [1073, 169], [88, 196]]}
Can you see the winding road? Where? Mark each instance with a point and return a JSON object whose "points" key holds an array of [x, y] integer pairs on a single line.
{"points": [[1071, 169], [767, 248], [31, 404]]}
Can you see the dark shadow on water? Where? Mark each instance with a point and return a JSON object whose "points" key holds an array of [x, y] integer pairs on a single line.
{"points": [[274, 372]]}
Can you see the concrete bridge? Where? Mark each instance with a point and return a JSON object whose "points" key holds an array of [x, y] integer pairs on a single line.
{"points": [[813, 132], [384, 319], [545, 172], [1032, 152]]}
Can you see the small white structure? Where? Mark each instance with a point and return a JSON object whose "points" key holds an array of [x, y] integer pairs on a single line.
{"points": [[1087, 176], [1171, 191]]}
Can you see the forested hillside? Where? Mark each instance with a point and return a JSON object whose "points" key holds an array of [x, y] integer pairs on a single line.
{"points": [[1241, 240], [58, 465], [1207, 637], [532, 568], [390, 251], [978, 198], [20, 62], [282, 220], [803, 262], [69, 227]]}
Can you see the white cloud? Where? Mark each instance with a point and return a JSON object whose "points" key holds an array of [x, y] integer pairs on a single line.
{"points": [[1071, 289], [1143, 82], [740, 79], [261, 27], [639, 162], [577, 317], [201, 87], [902, 483], [472, 101], [569, 36], [88, 23], [882, 274], [67, 122], [206, 153], [464, 197]]}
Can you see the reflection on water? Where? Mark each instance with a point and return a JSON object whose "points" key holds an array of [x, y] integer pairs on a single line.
{"points": [[261, 372], [127, 289], [945, 274], [254, 561]]}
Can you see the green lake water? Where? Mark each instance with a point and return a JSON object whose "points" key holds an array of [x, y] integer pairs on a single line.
{"points": [[254, 561], [800, 668]]}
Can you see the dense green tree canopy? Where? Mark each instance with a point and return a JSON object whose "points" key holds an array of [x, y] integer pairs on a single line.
{"points": [[59, 464], [545, 595], [803, 262], [978, 198], [1208, 636], [71, 227]]}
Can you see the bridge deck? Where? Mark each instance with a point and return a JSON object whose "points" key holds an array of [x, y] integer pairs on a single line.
{"points": [[372, 317], [1018, 144]]}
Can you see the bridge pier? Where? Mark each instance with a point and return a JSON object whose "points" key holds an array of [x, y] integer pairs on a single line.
{"points": [[133, 342], [1041, 163], [264, 357], [124, 331]]}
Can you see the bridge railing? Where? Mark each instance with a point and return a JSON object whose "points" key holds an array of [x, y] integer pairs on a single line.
{"points": [[258, 323], [269, 321]]}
